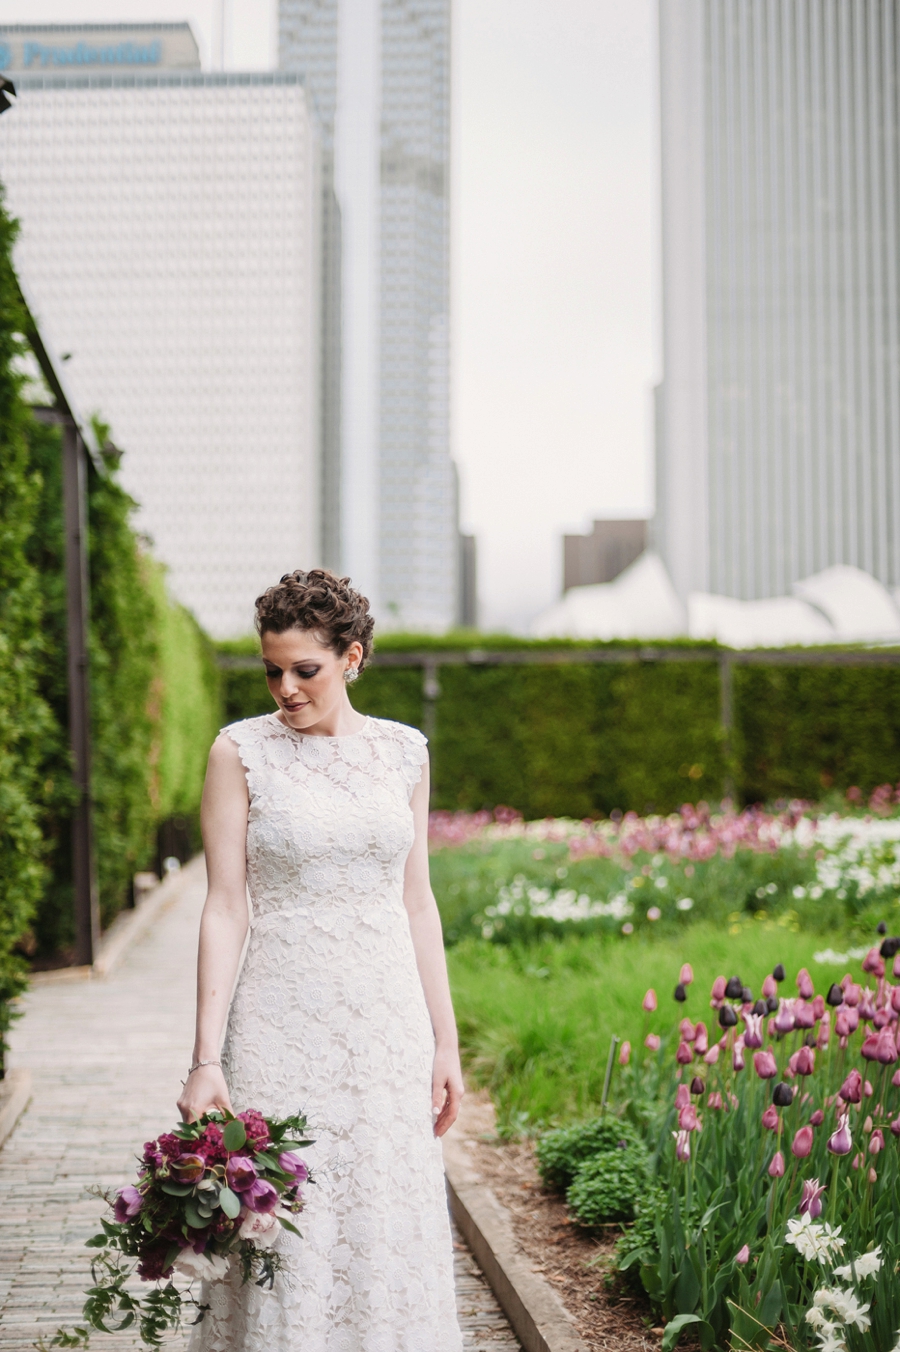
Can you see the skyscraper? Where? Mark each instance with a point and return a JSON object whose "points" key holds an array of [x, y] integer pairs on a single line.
{"points": [[378, 72], [778, 430]]}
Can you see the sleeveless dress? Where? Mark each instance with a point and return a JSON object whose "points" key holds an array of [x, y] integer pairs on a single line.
{"points": [[329, 1018]]}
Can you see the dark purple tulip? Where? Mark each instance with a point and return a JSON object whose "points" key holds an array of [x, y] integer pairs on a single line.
{"points": [[835, 996], [734, 988], [772, 1003], [889, 947], [746, 995], [727, 1017], [761, 1007], [681, 993], [881, 928], [782, 1095], [127, 1204], [778, 971], [697, 1085]]}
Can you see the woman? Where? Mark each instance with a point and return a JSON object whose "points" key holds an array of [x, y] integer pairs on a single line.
{"points": [[342, 1008]]}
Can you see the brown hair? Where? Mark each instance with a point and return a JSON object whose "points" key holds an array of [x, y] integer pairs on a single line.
{"points": [[321, 602]]}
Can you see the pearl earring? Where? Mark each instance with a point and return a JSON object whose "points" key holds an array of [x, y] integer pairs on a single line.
{"points": [[350, 674]]}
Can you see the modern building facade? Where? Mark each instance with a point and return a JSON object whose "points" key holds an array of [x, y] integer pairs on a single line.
{"points": [[603, 554], [169, 247], [378, 75], [778, 427]]}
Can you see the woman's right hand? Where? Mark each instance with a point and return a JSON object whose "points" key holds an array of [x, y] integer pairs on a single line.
{"points": [[204, 1092]]}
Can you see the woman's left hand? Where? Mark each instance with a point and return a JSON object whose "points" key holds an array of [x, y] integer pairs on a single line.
{"points": [[446, 1088]]}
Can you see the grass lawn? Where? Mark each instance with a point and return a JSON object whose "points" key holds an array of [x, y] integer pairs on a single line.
{"points": [[536, 1019]]}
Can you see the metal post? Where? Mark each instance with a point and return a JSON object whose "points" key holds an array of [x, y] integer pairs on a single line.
{"points": [[74, 476], [726, 715], [431, 689]]}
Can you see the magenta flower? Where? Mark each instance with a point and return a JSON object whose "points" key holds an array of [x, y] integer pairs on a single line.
{"points": [[841, 1142], [687, 1119], [652, 1041], [682, 1146], [743, 1255], [895, 998], [817, 1118], [895, 1126], [852, 994], [769, 987], [712, 1056], [873, 962], [687, 1030], [649, 1001], [701, 1039], [260, 1196], [867, 1009], [292, 1164], [188, 1168], [842, 1023], [776, 1168], [811, 1199], [765, 1065], [867, 1088], [682, 1097], [876, 1141], [687, 974], [818, 1006], [851, 1090], [127, 1204], [625, 1054], [714, 1100], [804, 1015], [737, 1055], [804, 1061], [880, 1047], [240, 1173], [804, 984], [684, 1056], [784, 1019], [753, 1034], [717, 994], [802, 1143], [824, 1031], [770, 1118]]}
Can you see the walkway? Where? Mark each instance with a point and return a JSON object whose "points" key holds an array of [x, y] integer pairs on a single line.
{"points": [[107, 1058]]}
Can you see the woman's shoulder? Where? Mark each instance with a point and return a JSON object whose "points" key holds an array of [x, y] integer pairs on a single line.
{"points": [[409, 739], [248, 732]]}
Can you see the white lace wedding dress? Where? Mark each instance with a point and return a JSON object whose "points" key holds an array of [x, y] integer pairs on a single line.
{"points": [[329, 1018]]}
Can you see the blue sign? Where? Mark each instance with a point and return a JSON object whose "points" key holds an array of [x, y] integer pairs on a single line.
{"points": [[83, 54]]}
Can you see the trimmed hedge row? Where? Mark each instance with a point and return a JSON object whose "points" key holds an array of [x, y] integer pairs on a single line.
{"points": [[570, 740]]}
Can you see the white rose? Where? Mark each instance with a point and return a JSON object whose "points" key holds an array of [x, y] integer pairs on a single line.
{"points": [[209, 1267], [261, 1228]]}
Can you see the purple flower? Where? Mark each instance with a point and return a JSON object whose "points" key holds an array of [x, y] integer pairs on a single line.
{"points": [[765, 1065], [804, 1015], [743, 1255], [260, 1196], [841, 1142], [784, 1019], [753, 1035], [851, 1090], [684, 1056], [682, 1145], [802, 1143], [776, 1168], [804, 1061], [292, 1164], [804, 984], [811, 1198], [770, 1117], [188, 1168], [240, 1173], [127, 1204]]}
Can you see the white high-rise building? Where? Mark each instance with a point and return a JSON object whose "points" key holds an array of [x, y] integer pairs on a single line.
{"points": [[169, 245], [779, 415], [378, 73]]}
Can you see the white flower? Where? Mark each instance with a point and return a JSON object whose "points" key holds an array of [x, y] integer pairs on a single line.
{"points": [[845, 1305], [816, 1317], [684, 903], [261, 1228], [209, 1267], [831, 1339], [866, 1265], [814, 1239]]}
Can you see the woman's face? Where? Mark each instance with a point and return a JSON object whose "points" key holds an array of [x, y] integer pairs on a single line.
{"points": [[304, 676]]}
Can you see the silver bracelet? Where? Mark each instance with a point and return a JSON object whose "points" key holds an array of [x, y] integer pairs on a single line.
{"points": [[198, 1064]]}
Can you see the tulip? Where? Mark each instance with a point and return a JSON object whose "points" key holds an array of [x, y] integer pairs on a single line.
{"points": [[776, 1168], [727, 1017], [851, 1090], [682, 1146], [852, 994], [867, 1088], [784, 1019], [835, 996], [687, 975], [697, 1085], [804, 1060], [873, 1177], [687, 1030], [881, 927], [712, 1056], [765, 1065], [753, 1035], [856, 1161], [625, 1054], [882, 1047], [804, 984], [714, 1100], [292, 1164], [742, 1255], [817, 1118], [684, 1056], [718, 990], [867, 1125], [895, 1126], [782, 1095], [761, 1007], [802, 1143], [896, 967], [701, 1039], [772, 1004], [127, 1204], [840, 1141], [187, 1168], [889, 947], [811, 1199], [895, 999], [261, 1196], [876, 1141], [770, 1118], [873, 962], [649, 1001], [687, 1119], [769, 987], [778, 971], [734, 988], [652, 1041], [824, 1030], [895, 1078], [682, 1096], [818, 1007], [867, 1006], [240, 1173], [883, 1018], [804, 1015], [680, 993]]}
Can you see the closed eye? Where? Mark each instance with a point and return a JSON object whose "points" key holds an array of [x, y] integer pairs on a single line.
{"points": [[272, 673]]}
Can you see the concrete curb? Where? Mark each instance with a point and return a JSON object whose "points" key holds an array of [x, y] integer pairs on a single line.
{"points": [[127, 928], [15, 1094], [538, 1317]]}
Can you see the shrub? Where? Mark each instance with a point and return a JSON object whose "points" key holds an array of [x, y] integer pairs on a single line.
{"points": [[562, 1153], [608, 1186]]}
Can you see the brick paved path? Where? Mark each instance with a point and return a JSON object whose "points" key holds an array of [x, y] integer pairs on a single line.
{"points": [[107, 1057]]}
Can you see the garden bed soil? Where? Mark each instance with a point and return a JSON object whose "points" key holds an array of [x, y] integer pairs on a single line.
{"points": [[607, 1315]]}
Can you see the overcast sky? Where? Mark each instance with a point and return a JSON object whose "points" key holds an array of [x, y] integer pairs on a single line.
{"points": [[555, 261]]}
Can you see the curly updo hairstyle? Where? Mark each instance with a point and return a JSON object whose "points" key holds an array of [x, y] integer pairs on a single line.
{"points": [[321, 603]]}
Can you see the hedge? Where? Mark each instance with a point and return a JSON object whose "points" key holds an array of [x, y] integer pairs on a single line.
{"points": [[580, 740]]}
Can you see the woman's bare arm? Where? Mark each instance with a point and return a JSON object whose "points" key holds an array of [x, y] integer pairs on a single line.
{"points": [[425, 927], [223, 926]]}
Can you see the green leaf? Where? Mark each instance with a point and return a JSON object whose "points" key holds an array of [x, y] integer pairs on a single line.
{"points": [[194, 1217], [267, 1161], [288, 1226], [230, 1203], [96, 1242], [676, 1327], [234, 1135], [177, 1189]]}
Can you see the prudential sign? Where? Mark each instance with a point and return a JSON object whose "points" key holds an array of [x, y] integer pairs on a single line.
{"points": [[55, 49]]}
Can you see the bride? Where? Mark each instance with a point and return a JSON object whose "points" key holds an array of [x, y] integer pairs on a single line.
{"points": [[342, 1008]]}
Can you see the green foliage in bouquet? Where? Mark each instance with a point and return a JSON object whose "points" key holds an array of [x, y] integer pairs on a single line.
{"points": [[215, 1190]]}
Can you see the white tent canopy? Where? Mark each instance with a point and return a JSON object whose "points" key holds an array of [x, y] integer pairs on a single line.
{"points": [[640, 603]]}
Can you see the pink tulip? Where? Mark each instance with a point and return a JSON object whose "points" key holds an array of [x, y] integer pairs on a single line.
{"points": [[895, 996], [867, 1006], [701, 1039], [682, 1097], [811, 1199], [776, 1168], [841, 1142], [873, 1177], [867, 1088], [851, 1090], [817, 1118], [714, 1100], [818, 1005], [765, 1065], [873, 962], [770, 1118], [852, 993], [769, 987], [804, 984], [717, 995], [842, 1023], [687, 1118], [712, 1056], [784, 1019], [687, 974], [804, 1061], [684, 1056], [753, 1035], [127, 1204], [804, 1015], [682, 1145], [652, 1041], [880, 1047], [802, 1143], [743, 1255], [261, 1196], [876, 1141], [896, 967], [856, 1161], [737, 1056], [824, 1031], [895, 1126], [624, 1053], [648, 1003], [686, 1028]]}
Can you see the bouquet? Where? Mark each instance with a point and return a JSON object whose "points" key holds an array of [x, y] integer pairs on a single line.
{"points": [[210, 1192]]}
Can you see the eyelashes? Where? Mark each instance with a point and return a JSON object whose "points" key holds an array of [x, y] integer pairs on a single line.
{"points": [[272, 674]]}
